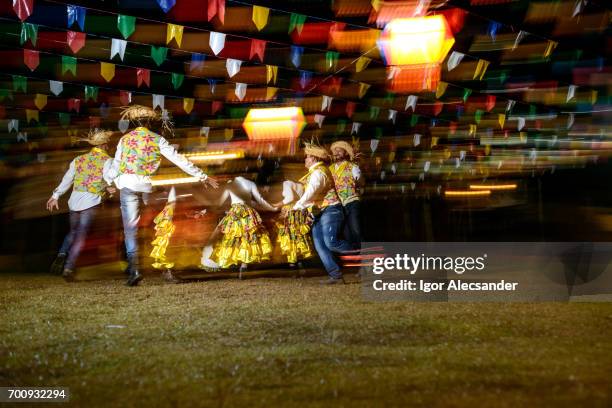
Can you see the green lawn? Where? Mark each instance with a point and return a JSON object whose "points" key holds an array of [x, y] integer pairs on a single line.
{"points": [[289, 342]]}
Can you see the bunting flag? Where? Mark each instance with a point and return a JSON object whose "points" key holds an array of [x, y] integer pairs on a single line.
{"points": [[335, 83], [158, 54], [197, 62], [40, 100], [417, 139], [473, 130], [216, 8], [31, 59], [296, 55], [216, 42], [166, 5], [441, 89], [571, 92], [501, 118], [490, 102], [374, 144], [158, 101], [212, 83], [126, 25], [56, 87], [414, 119], [519, 38], [91, 92], [271, 72], [355, 128], [392, 115], [478, 116], [63, 119], [510, 105], [326, 103], [13, 124], [494, 27], [118, 48], [107, 71], [374, 112], [240, 90], [177, 80], [228, 134], [341, 126], [22, 137], [271, 92], [570, 120], [454, 59], [123, 125], [20, 83], [438, 106], [75, 40], [481, 68], [215, 106], [549, 48], [174, 32], [350, 108], [143, 76], [74, 104], [204, 131], [331, 60], [76, 14], [23, 8], [28, 32], [125, 97], [520, 123], [188, 104], [363, 88], [305, 77], [466, 93], [260, 17], [232, 66], [362, 63], [69, 64], [31, 115], [258, 47], [319, 119], [411, 102], [296, 22]]}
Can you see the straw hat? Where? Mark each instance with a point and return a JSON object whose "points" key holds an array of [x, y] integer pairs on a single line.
{"points": [[344, 146], [312, 149], [98, 137], [137, 113]]}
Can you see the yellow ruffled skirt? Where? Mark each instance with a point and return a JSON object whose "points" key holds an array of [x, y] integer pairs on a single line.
{"points": [[164, 228], [244, 238], [294, 234]]}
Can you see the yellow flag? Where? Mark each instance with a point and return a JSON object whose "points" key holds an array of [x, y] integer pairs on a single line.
{"points": [[271, 92], [488, 149], [376, 4], [107, 70], [391, 156], [40, 101], [441, 89], [271, 72], [549, 48], [362, 63], [260, 16], [481, 68], [228, 134], [502, 119], [523, 136], [31, 114], [434, 141], [176, 32], [188, 104], [472, 130], [363, 88]]}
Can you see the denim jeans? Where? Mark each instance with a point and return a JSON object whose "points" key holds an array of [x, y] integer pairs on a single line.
{"points": [[130, 214], [352, 227], [80, 221], [325, 230]]}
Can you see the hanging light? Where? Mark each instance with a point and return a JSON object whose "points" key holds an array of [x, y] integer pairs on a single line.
{"points": [[274, 123]]}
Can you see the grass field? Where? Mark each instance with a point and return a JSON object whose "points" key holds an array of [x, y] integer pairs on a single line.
{"points": [[289, 342]]}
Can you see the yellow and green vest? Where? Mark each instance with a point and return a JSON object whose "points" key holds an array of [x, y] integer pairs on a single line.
{"points": [[88, 171], [140, 152], [346, 185], [331, 197]]}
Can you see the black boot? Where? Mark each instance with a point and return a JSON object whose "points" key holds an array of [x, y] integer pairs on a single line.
{"points": [[58, 264], [134, 276]]}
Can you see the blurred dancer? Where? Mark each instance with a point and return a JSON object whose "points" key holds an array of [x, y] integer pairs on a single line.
{"points": [[86, 176], [347, 177], [137, 158], [321, 198], [294, 227], [243, 237]]}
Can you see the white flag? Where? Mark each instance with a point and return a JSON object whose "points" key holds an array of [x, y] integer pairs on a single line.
{"points": [[570, 120], [454, 60], [204, 131], [392, 115], [571, 92], [521, 123], [355, 128], [240, 90], [172, 195], [13, 124], [519, 38], [417, 139], [123, 125], [374, 144], [233, 66], [158, 100], [327, 100], [510, 105], [22, 137], [319, 119], [411, 102], [56, 87], [216, 42], [427, 166], [118, 47]]}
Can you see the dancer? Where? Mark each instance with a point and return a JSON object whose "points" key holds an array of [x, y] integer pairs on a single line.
{"points": [[347, 178], [244, 239], [293, 227], [86, 176], [138, 157], [321, 198]]}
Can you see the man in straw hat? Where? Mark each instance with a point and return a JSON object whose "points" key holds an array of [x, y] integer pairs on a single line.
{"points": [[321, 198], [138, 156], [86, 176], [347, 178]]}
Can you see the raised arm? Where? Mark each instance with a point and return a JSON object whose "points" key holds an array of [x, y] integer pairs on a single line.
{"points": [[183, 163]]}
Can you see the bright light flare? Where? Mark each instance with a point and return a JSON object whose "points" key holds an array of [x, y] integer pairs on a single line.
{"points": [[274, 123]]}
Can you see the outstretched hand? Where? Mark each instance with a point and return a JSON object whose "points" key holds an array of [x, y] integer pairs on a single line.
{"points": [[211, 182], [52, 203]]}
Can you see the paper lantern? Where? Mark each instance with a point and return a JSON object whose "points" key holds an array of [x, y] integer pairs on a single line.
{"points": [[419, 40], [274, 123], [414, 78]]}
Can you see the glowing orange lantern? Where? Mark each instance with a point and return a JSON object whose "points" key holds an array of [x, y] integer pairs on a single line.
{"points": [[418, 40], [274, 123]]}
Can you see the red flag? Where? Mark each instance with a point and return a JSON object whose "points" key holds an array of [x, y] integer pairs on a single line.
{"points": [[437, 108], [94, 121], [23, 8], [216, 105], [350, 109], [258, 47], [143, 75], [216, 7], [125, 97], [490, 103], [74, 104], [75, 40], [334, 84], [31, 58], [452, 127]]}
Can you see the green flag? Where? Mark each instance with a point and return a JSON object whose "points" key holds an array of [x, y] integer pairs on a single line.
{"points": [[159, 54], [64, 119], [466, 94], [177, 80], [126, 25], [91, 92], [414, 119], [20, 82], [478, 115], [5, 93], [331, 60], [69, 64], [296, 21], [341, 126], [374, 112], [28, 32]]}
